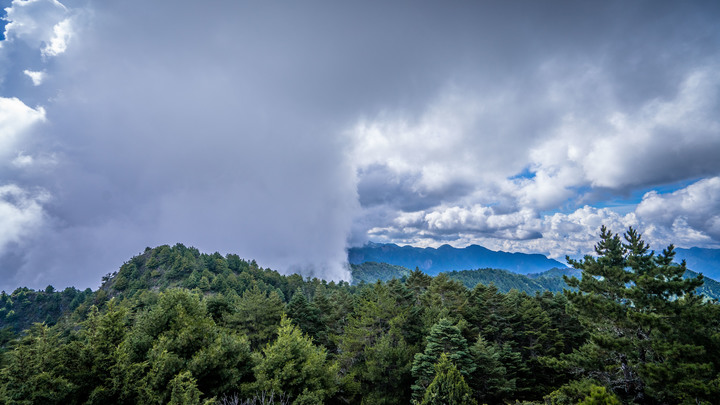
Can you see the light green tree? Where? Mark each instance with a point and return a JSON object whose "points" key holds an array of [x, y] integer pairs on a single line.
{"points": [[293, 365], [448, 387]]}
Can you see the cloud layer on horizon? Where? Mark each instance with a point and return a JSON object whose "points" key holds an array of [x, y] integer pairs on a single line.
{"points": [[285, 134]]}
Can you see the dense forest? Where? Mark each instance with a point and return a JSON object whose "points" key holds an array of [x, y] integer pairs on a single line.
{"points": [[177, 326]]}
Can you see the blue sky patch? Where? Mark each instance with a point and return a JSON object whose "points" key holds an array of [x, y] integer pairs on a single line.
{"points": [[3, 22], [526, 173]]}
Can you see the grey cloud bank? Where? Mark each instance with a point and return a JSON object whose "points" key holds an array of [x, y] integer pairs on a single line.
{"points": [[286, 133]]}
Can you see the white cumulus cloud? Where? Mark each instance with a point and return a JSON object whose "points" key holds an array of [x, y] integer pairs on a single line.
{"points": [[38, 23], [62, 33], [21, 214], [16, 119], [36, 77], [695, 209]]}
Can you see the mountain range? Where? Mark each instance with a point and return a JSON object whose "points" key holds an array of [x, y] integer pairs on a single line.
{"points": [[701, 260], [550, 280], [446, 258], [433, 261]]}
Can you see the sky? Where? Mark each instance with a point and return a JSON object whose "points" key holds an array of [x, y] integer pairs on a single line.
{"points": [[288, 132]]}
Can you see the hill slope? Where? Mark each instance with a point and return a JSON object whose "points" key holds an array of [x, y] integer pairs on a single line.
{"points": [[447, 258]]}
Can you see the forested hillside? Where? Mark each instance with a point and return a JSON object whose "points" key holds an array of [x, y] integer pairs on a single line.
{"points": [[177, 326], [552, 280]]}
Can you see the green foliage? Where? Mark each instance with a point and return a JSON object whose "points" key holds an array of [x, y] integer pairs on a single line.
{"points": [[648, 325], [374, 352], [448, 387], [490, 381], [34, 371], [176, 336], [293, 365], [445, 338], [257, 315], [634, 321], [599, 396], [577, 391], [24, 307], [371, 272], [506, 280], [304, 314], [183, 390]]}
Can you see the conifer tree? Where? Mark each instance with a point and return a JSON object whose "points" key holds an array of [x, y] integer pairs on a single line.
{"points": [[641, 311], [490, 380], [34, 371], [257, 315], [444, 338], [294, 366], [304, 314], [448, 387]]}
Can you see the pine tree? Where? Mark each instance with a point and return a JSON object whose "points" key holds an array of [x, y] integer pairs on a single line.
{"points": [[257, 314], [373, 353], [33, 372], [294, 366], [444, 338], [647, 335], [304, 314], [448, 387], [490, 380], [183, 390]]}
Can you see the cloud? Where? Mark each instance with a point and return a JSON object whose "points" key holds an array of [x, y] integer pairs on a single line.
{"points": [[36, 77], [286, 133], [16, 120], [574, 157], [40, 23], [694, 209], [686, 217], [62, 33], [21, 214]]}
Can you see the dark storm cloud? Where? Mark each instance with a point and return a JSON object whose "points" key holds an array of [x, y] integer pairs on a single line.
{"points": [[380, 185], [232, 126]]}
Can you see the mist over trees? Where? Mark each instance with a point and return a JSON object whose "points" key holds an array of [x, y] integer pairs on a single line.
{"points": [[177, 326]]}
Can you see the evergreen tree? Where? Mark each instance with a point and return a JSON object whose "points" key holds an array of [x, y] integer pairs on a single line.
{"points": [[490, 381], [294, 366], [183, 390], [257, 314], [177, 335], [646, 333], [599, 396], [34, 372], [448, 387], [444, 338], [373, 354], [304, 314]]}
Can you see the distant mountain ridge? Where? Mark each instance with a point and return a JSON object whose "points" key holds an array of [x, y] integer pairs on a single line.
{"points": [[549, 280], [701, 260], [446, 258]]}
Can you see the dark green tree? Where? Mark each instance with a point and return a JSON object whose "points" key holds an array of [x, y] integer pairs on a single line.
{"points": [[34, 372], [257, 314], [490, 380], [444, 338], [304, 314], [373, 352], [647, 332]]}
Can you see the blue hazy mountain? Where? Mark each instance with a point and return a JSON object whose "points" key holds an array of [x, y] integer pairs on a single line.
{"points": [[447, 258], [549, 280], [700, 260]]}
